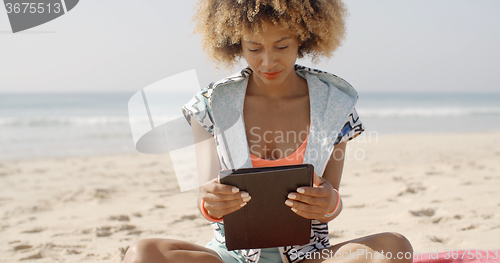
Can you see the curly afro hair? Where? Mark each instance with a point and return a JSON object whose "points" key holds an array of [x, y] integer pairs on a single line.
{"points": [[318, 24]]}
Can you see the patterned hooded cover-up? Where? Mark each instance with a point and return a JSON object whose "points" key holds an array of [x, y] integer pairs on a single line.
{"points": [[219, 109]]}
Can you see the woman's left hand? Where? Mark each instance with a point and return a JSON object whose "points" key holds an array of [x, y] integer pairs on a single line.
{"points": [[313, 202]]}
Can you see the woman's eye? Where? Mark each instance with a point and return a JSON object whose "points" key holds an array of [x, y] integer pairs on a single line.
{"points": [[253, 50], [282, 47]]}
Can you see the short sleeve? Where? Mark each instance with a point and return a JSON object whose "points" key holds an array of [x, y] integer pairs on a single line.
{"points": [[351, 129], [197, 108]]}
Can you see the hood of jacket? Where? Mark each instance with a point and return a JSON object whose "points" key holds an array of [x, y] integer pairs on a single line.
{"points": [[331, 101]]}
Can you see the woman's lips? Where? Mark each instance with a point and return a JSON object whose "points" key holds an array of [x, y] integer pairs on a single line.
{"points": [[271, 75]]}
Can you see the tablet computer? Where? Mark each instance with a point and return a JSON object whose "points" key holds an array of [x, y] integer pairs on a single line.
{"points": [[266, 221]]}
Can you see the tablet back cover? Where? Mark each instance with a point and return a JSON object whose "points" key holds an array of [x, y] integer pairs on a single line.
{"points": [[266, 221]]}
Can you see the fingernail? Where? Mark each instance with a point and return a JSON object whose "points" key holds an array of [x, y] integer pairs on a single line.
{"points": [[244, 204], [235, 189], [301, 190], [245, 194], [294, 210], [292, 196], [247, 199], [288, 203]]}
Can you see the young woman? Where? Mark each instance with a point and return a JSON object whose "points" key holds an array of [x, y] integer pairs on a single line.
{"points": [[241, 121]]}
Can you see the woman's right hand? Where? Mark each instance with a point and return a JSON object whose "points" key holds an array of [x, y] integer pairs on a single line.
{"points": [[221, 199]]}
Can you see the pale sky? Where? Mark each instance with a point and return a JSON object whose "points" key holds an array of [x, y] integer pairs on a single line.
{"points": [[124, 45]]}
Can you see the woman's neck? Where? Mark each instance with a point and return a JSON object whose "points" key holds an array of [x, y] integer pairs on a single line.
{"points": [[292, 87]]}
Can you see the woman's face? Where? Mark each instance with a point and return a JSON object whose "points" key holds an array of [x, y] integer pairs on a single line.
{"points": [[271, 55]]}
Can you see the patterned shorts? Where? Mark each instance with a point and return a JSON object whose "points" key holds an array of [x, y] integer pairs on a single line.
{"points": [[268, 255]]}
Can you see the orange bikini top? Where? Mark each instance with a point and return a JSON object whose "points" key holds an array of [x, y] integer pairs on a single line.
{"points": [[296, 157]]}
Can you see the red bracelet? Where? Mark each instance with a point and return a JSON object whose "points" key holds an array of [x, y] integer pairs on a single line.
{"points": [[204, 212], [336, 206]]}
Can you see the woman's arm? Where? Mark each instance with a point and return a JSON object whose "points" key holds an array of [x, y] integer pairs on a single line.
{"points": [[219, 199], [207, 161], [315, 202], [333, 175]]}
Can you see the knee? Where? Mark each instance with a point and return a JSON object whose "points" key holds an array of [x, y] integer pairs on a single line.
{"points": [[397, 244], [141, 250], [136, 251], [397, 240]]}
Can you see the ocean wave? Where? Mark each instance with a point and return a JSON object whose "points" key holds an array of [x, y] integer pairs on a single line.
{"points": [[389, 112], [378, 112], [51, 121]]}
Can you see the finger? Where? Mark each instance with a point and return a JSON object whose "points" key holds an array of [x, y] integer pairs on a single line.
{"points": [[306, 208], [224, 205], [303, 210], [306, 214], [219, 209], [312, 200], [313, 191], [229, 210], [213, 197], [218, 188]]}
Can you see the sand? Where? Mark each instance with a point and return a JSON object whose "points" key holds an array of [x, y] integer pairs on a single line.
{"points": [[438, 190]]}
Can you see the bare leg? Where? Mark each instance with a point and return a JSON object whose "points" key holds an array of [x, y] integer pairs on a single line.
{"points": [[367, 249], [157, 250]]}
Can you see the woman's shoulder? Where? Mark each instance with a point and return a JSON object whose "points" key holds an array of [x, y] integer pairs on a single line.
{"points": [[236, 77], [301, 68], [331, 80], [322, 75]]}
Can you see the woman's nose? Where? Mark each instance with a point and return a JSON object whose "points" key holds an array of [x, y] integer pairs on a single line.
{"points": [[269, 60]]}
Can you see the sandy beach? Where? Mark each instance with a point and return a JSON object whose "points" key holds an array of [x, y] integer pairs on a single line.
{"points": [[439, 190]]}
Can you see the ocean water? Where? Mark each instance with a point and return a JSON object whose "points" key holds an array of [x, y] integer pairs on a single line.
{"points": [[388, 113], [75, 124]]}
